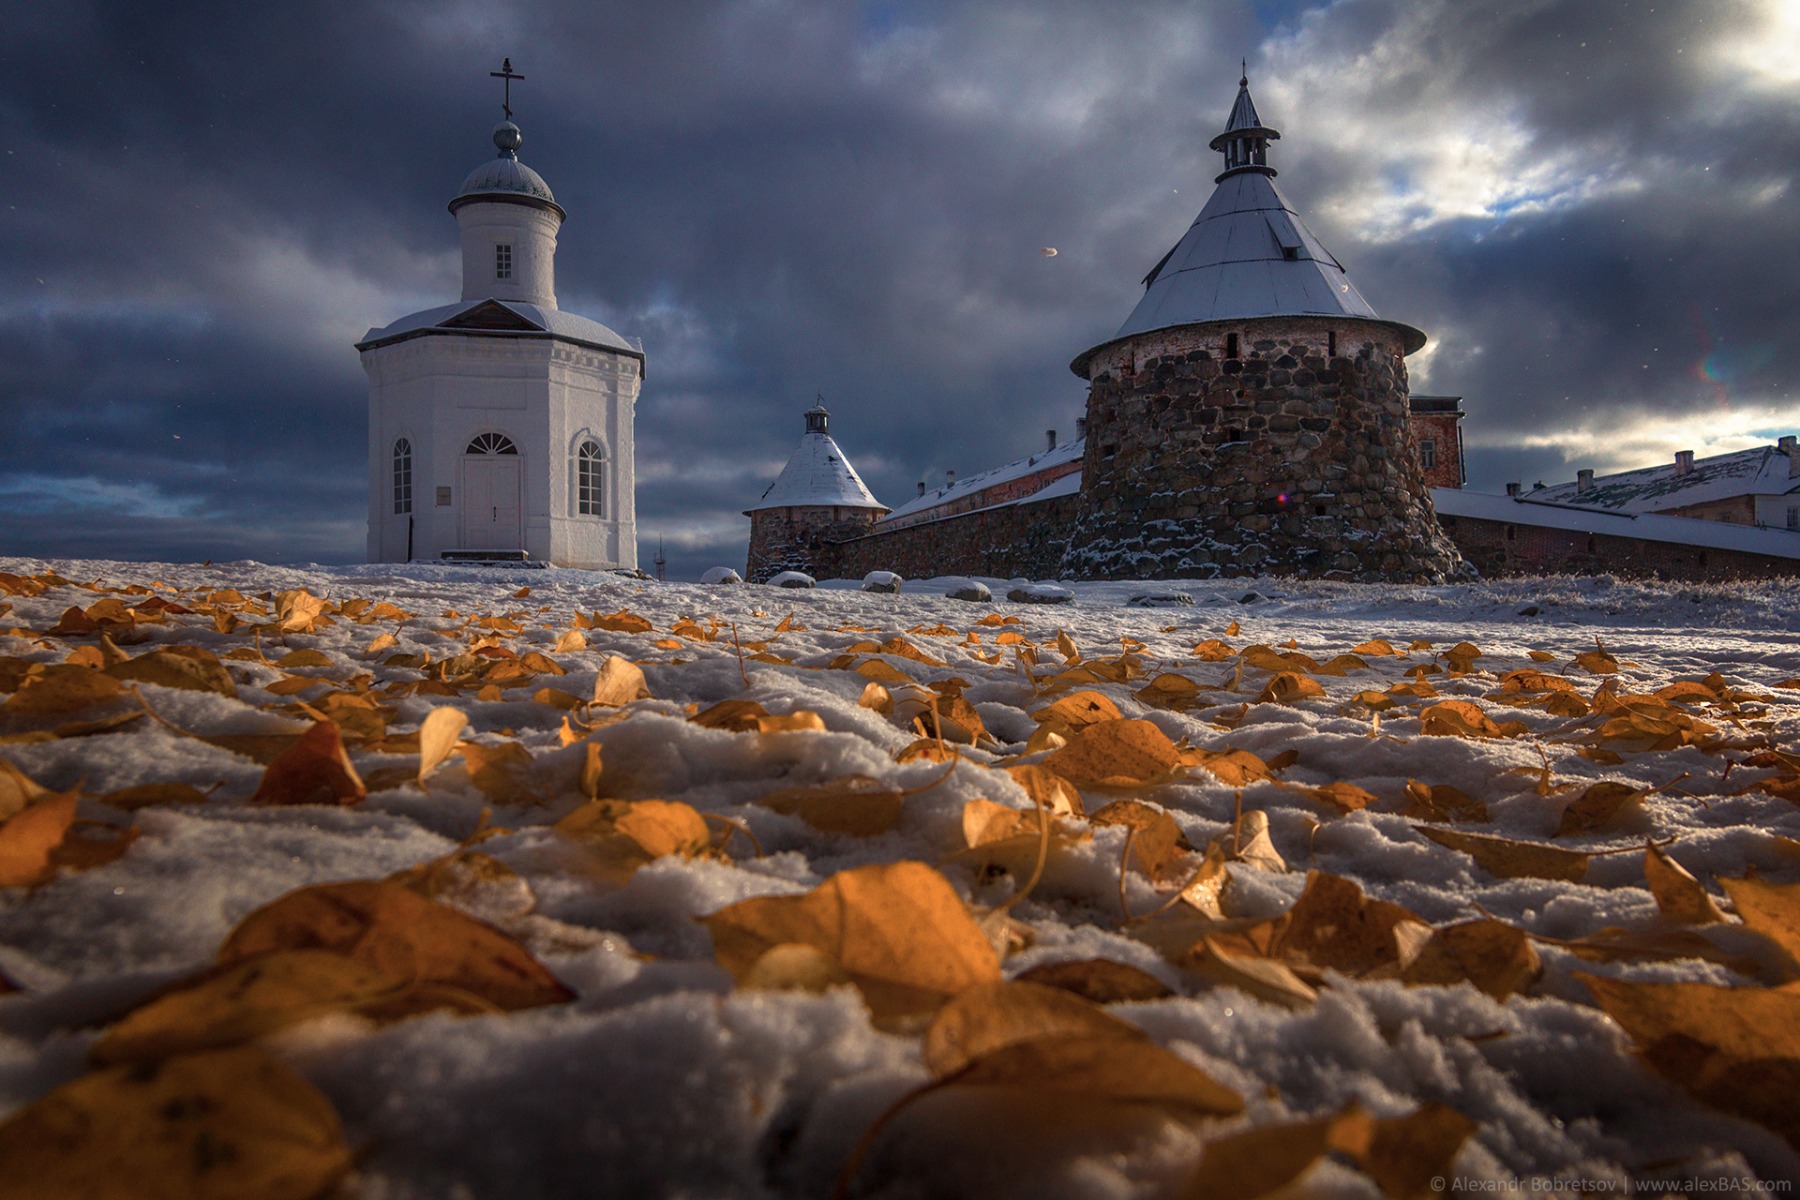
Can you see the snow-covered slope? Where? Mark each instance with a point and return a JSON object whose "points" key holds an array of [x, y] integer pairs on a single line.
{"points": [[664, 1078]]}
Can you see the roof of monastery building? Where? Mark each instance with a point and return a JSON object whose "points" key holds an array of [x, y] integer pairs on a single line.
{"points": [[817, 475], [504, 177], [973, 484], [504, 317], [1532, 509], [1248, 254], [1759, 471]]}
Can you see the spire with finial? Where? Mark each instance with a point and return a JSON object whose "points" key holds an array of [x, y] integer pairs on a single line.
{"points": [[817, 418], [1245, 142]]}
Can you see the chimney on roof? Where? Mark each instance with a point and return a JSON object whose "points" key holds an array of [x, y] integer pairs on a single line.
{"points": [[1080, 427], [921, 487], [1786, 446], [949, 479], [1513, 489], [1684, 462], [1050, 436], [1584, 480]]}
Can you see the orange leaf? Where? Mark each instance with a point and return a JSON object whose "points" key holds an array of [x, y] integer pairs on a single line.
{"points": [[1116, 754], [29, 838], [314, 770]]}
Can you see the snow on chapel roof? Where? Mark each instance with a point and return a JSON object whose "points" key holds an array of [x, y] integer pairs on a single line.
{"points": [[1248, 253], [818, 474], [505, 177]]}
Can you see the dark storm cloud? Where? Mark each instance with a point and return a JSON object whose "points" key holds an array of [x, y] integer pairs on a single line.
{"points": [[785, 199]]}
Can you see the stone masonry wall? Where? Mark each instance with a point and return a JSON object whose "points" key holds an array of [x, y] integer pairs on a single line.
{"points": [[1007, 542], [1285, 460], [1498, 548], [795, 539]]}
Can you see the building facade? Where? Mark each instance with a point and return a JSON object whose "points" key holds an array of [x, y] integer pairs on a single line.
{"points": [[501, 426]]}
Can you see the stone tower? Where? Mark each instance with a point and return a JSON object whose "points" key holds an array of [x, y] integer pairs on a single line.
{"points": [[1250, 416], [501, 426], [817, 499]]}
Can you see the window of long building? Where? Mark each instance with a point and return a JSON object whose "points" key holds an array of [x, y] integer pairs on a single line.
{"points": [[1427, 453]]}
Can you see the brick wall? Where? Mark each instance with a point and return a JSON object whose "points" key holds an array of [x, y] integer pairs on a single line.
{"points": [[1441, 430], [1497, 548], [1016, 540], [999, 493]]}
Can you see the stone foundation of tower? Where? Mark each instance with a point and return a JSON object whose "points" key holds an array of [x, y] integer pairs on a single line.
{"points": [[801, 538], [1293, 457]]}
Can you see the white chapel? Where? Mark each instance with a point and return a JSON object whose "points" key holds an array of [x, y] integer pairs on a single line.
{"points": [[501, 426]]}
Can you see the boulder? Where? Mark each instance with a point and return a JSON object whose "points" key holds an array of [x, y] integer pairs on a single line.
{"points": [[969, 589], [885, 582], [792, 579], [1040, 593], [721, 575], [1161, 600]]}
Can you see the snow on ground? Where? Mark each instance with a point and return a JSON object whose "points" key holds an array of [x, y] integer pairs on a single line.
{"points": [[662, 1079]]}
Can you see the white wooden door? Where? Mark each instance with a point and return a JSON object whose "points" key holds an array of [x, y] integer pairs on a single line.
{"points": [[490, 515]]}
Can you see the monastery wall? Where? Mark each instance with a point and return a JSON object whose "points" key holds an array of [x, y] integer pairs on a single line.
{"points": [[1008, 542], [1498, 548]]}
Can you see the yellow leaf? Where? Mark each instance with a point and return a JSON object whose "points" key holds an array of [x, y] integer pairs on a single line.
{"points": [[313, 770], [1286, 687], [1238, 768], [1597, 806], [298, 611], [1772, 910], [1077, 711], [29, 838], [217, 1126], [1597, 661], [59, 690], [1116, 754], [876, 698], [983, 821], [1441, 802], [619, 836], [1678, 894], [571, 641], [619, 682], [622, 622], [1157, 841], [1047, 788], [395, 930], [897, 930], [438, 735]]}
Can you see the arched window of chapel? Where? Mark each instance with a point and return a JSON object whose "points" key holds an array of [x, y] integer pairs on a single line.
{"points": [[590, 466]]}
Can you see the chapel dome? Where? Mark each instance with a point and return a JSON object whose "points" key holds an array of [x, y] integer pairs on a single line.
{"points": [[505, 177]]}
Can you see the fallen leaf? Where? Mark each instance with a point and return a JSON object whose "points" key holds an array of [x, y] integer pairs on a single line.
{"points": [[1205, 891], [1077, 711], [1100, 980], [60, 690], [314, 770], [1494, 956], [1256, 1162], [1288, 687], [618, 683], [188, 667], [622, 622], [898, 931], [146, 795], [1441, 802], [1045, 787], [1597, 661], [438, 734], [619, 836], [1459, 718], [1156, 840], [1343, 796], [1236, 768], [1116, 754], [395, 930], [854, 804], [1771, 910], [500, 771], [1598, 806], [216, 1126], [29, 838], [1251, 843], [17, 789], [1678, 894], [1504, 858]]}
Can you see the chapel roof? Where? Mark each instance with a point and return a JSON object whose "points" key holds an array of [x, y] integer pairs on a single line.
{"points": [[504, 177], [817, 475], [1248, 254], [505, 318]]}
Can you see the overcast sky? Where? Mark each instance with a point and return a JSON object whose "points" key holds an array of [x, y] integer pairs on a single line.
{"points": [[1590, 206]]}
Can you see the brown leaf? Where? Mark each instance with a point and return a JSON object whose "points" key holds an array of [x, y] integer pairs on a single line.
{"points": [[1100, 980], [1678, 894], [622, 622], [1597, 661], [1598, 806], [29, 838], [898, 930], [438, 734], [620, 836], [393, 929], [1459, 718], [1287, 687], [619, 682], [188, 667], [1441, 802], [1078, 710], [298, 611], [1250, 843], [1255, 1162], [1771, 910], [1205, 891], [854, 804], [17, 789], [59, 690], [1047, 788], [988, 1017], [1237, 768], [1345, 797], [1157, 841], [217, 1126], [500, 771], [1264, 978], [1504, 858], [1116, 754], [146, 795], [314, 770], [1176, 693], [1737, 1049], [1333, 926], [1409, 1156], [1494, 956]]}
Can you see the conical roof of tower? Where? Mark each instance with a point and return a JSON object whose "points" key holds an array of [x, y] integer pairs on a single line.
{"points": [[818, 475], [1248, 254]]}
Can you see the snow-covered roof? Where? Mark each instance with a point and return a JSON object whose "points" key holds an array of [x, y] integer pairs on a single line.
{"points": [[1684, 531], [1759, 471], [505, 177], [973, 484], [506, 318], [818, 475]]}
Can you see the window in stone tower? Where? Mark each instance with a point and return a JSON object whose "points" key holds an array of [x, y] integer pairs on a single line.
{"points": [[503, 261], [588, 469], [1231, 345], [1427, 453], [402, 476], [1331, 344]]}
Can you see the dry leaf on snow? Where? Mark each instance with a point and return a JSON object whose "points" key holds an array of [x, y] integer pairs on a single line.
{"points": [[1678, 894], [313, 770]]}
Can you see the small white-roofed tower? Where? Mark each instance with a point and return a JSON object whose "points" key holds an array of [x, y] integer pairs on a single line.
{"points": [[501, 426], [817, 499]]}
